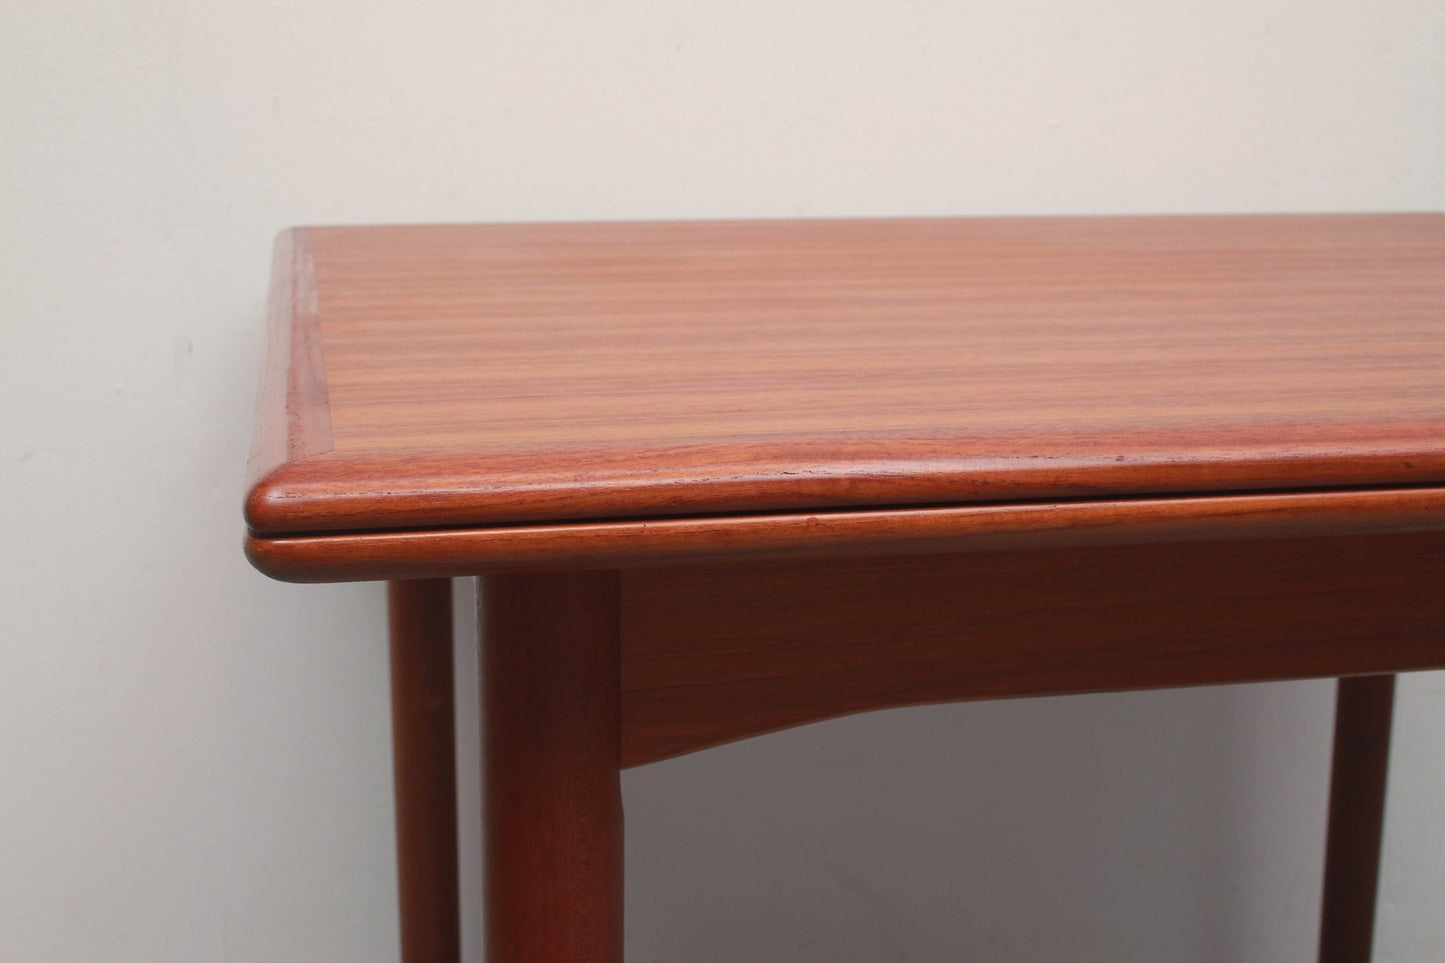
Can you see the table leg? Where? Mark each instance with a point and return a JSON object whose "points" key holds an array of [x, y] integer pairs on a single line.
{"points": [[551, 757], [423, 740], [1363, 709]]}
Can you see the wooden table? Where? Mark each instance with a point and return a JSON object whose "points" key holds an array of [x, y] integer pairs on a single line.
{"points": [[724, 478]]}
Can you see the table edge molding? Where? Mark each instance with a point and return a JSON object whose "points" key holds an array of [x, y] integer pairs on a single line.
{"points": [[434, 553], [293, 413]]}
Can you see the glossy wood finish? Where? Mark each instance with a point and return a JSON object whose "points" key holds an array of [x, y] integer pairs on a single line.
{"points": [[293, 415], [844, 465], [1363, 712], [424, 753], [345, 557], [713, 653], [552, 788], [481, 375]]}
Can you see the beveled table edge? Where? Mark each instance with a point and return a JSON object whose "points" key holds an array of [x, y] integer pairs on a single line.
{"points": [[298, 483], [457, 552]]}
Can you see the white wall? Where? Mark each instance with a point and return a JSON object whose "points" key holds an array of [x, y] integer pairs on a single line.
{"points": [[194, 761]]}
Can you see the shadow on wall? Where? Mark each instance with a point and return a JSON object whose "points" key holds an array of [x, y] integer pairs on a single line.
{"points": [[1112, 827]]}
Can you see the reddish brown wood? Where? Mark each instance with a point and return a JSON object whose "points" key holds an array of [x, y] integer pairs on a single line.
{"points": [[424, 749], [478, 375], [336, 557], [713, 653], [293, 414], [1363, 711], [553, 795], [906, 461]]}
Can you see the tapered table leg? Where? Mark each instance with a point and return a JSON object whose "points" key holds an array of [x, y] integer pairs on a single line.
{"points": [[423, 740], [552, 786], [1363, 710]]}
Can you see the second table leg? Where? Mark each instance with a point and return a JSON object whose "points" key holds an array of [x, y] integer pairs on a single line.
{"points": [[423, 748], [1363, 710]]}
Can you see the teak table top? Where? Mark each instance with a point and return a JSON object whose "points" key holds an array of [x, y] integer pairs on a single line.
{"points": [[442, 397]]}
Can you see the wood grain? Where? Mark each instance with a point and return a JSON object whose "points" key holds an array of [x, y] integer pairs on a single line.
{"points": [[1364, 708], [713, 653], [553, 801], [424, 751], [293, 414], [344, 557], [496, 374]]}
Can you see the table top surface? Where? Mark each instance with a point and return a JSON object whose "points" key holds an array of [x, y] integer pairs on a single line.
{"points": [[428, 377]]}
